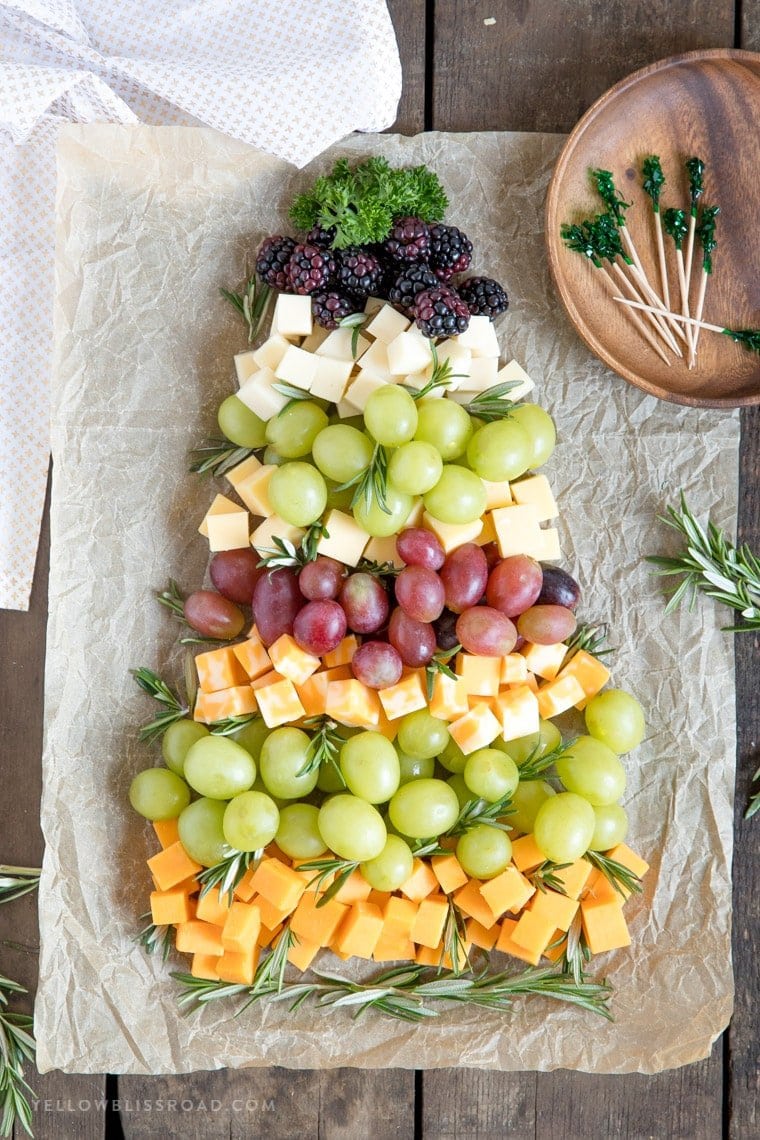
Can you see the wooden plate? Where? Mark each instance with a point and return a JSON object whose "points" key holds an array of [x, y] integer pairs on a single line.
{"points": [[704, 103]]}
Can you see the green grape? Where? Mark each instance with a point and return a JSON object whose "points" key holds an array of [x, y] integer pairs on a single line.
{"points": [[545, 740], [370, 767], [177, 740], [528, 797], [219, 768], [283, 754], [463, 793], [251, 736], [158, 793], [201, 831], [592, 770], [390, 415], [392, 867], [415, 467], [341, 452], [352, 828], [250, 821], [272, 456], [500, 450], [458, 497], [298, 834], [297, 493], [610, 828], [259, 786], [445, 424], [379, 523], [490, 774], [617, 719], [452, 758], [330, 779], [564, 827], [422, 735], [293, 431], [414, 768], [424, 808], [240, 425], [339, 500], [539, 427], [484, 851]]}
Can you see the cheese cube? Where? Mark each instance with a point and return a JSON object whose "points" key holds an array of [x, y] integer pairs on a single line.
{"points": [[361, 930], [271, 352], [330, 378], [421, 883], [488, 533], [387, 324], [260, 395], [517, 709], [514, 669], [229, 531], [517, 530], [508, 891], [476, 729], [449, 700], [452, 535], [480, 337], [479, 676], [469, 899], [548, 549], [346, 410], [236, 701], [414, 518], [252, 656], [343, 654], [526, 854], [482, 936], [375, 360], [221, 505], [292, 316], [297, 367], [556, 908], [512, 372], [407, 353], [427, 928], [418, 380], [273, 527], [544, 660], [591, 674], [533, 931], [604, 926], [506, 944], [338, 345], [345, 539], [558, 696], [382, 550], [406, 696], [240, 473], [254, 489], [373, 305], [497, 494], [574, 877], [353, 704], [460, 359], [448, 871], [291, 661], [245, 366], [279, 703], [482, 375], [361, 388], [317, 336], [535, 489], [219, 669]]}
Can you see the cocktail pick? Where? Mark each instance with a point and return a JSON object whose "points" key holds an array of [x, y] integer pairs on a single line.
{"points": [[749, 338], [677, 227], [653, 181], [705, 232]]}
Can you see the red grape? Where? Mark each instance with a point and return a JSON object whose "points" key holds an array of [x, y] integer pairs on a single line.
{"points": [[320, 579], [415, 640], [420, 547], [445, 630], [559, 588], [546, 625], [377, 664], [276, 601], [365, 602], [464, 575], [420, 593], [514, 584], [212, 615], [486, 631], [320, 626], [235, 574]]}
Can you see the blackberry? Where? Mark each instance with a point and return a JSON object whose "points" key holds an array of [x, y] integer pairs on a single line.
{"points": [[411, 281], [310, 268], [329, 308], [483, 297], [408, 240], [450, 251], [272, 261], [323, 236], [359, 271], [440, 312]]}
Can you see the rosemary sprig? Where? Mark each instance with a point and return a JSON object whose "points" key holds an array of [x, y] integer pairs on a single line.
{"points": [[577, 954], [336, 870], [590, 636], [545, 877], [454, 941], [218, 456], [477, 812], [439, 663], [324, 746], [286, 553], [270, 974], [17, 881], [355, 322], [441, 376], [252, 303], [539, 761], [227, 873], [711, 565], [153, 938], [492, 403], [371, 484], [17, 1046], [754, 803], [231, 724], [292, 392], [152, 684], [378, 569], [173, 600], [625, 881]]}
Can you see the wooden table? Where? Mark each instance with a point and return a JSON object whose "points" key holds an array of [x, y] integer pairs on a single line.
{"points": [[537, 67]]}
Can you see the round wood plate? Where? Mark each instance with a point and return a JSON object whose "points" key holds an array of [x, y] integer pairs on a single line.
{"points": [[704, 103]]}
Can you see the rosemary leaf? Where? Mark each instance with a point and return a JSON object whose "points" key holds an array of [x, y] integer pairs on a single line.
{"points": [[337, 870], [252, 304], [545, 877], [754, 804], [227, 873], [153, 938], [492, 404], [155, 687], [539, 761], [17, 1047], [231, 724], [371, 484], [625, 881], [218, 456], [17, 881], [324, 747], [439, 663], [590, 636]]}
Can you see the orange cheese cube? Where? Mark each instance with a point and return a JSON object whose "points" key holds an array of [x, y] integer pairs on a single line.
{"points": [[242, 925], [212, 907], [429, 921], [360, 931], [238, 966], [449, 699], [533, 932], [302, 954], [544, 660], [204, 966], [398, 916], [469, 899], [574, 877], [526, 854], [506, 944], [291, 661], [599, 889], [219, 669], [479, 676], [343, 654], [167, 831], [532, 682], [245, 889], [482, 936], [266, 679], [354, 889], [386, 728], [211, 707], [554, 907], [267, 935], [314, 923], [379, 899], [604, 926], [629, 859], [253, 657], [588, 671], [558, 696], [313, 880], [169, 908], [313, 694], [421, 883], [508, 890], [171, 866], [426, 956], [406, 696], [517, 709], [352, 703], [272, 915], [514, 669], [393, 948], [196, 937], [556, 947], [279, 703], [278, 884], [448, 871], [476, 729]]}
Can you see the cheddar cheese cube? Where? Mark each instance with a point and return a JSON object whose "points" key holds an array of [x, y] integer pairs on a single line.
{"points": [[272, 916], [204, 966], [398, 916], [273, 527], [393, 948], [212, 907], [448, 871], [172, 866], [421, 883], [354, 889], [302, 954], [253, 657], [237, 701], [169, 908], [558, 696], [508, 891], [623, 854], [345, 540], [279, 703], [514, 669], [406, 696], [360, 930], [517, 709], [196, 937], [535, 490], [449, 699], [544, 660], [506, 944], [277, 883], [482, 936], [167, 831], [352, 703], [452, 535], [242, 925], [590, 673], [526, 854], [470, 900], [314, 923], [291, 661], [575, 877], [254, 489], [604, 926], [343, 654], [479, 676], [221, 505], [497, 494], [267, 934], [429, 921], [557, 909], [219, 669], [238, 966], [245, 889], [476, 729], [517, 530]]}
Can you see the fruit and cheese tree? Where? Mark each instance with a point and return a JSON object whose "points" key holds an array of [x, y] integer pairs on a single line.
{"points": [[369, 761]]}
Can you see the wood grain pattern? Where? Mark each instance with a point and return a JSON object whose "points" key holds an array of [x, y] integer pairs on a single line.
{"points": [[409, 21]]}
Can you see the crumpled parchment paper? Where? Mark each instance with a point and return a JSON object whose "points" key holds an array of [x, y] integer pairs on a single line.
{"points": [[151, 221]]}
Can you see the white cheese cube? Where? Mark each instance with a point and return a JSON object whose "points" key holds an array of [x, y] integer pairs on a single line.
{"points": [[513, 371], [220, 506], [460, 396], [274, 527], [548, 546], [480, 337], [245, 366], [517, 530], [254, 490], [360, 389], [459, 358], [337, 344], [374, 305], [229, 531], [238, 474], [271, 352], [452, 535], [317, 336], [375, 360], [292, 316], [519, 713], [331, 378], [297, 367], [536, 490], [482, 374], [408, 352], [345, 539], [387, 324], [384, 550], [260, 395], [346, 410], [497, 494], [418, 380]]}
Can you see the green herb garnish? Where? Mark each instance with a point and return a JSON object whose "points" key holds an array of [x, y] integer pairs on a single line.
{"points": [[252, 304], [653, 179]]}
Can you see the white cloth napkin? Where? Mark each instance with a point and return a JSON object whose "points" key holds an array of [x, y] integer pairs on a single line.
{"points": [[290, 78]]}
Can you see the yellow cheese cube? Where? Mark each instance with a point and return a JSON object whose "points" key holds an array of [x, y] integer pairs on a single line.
{"points": [[271, 352], [337, 345], [291, 661], [479, 676], [229, 532], [460, 358], [480, 337], [476, 729], [591, 674], [488, 533], [316, 337], [387, 324], [575, 877], [297, 368], [219, 669], [514, 669], [220, 506], [429, 922], [517, 709], [384, 550], [513, 373], [242, 470], [452, 535], [252, 656], [547, 548], [517, 530], [558, 696], [343, 654], [535, 490], [544, 660], [363, 385], [279, 703], [352, 703], [253, 489], [421, 883], [449, 699], [345, 539], [414, 518], [263, 537], [497, 494]]}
